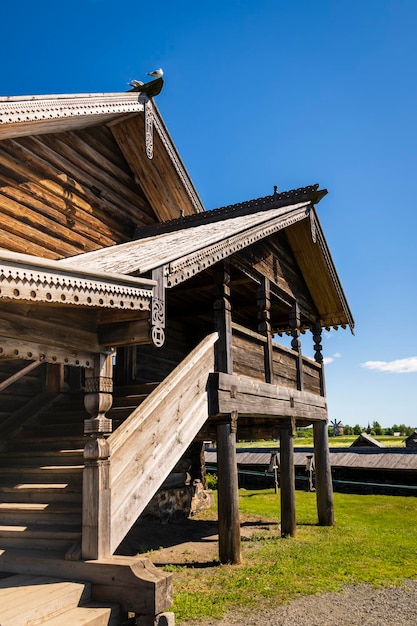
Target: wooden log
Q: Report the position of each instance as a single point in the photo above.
(96, 527)
(324, 488)
(228, 488)
(228, 500)
(287, 482)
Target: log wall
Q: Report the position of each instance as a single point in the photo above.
(67, 193)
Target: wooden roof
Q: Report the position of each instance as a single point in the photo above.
(136, 126)
(359, 458)
(185, 247)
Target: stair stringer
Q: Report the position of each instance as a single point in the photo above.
(146, 447)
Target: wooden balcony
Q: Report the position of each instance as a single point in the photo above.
(296, 391)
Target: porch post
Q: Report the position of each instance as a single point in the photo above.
(324, 487)
(264, 326)
(96, 522)
(228, 495)
(287, 480)
(295, 323)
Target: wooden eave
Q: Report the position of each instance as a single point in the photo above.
(185, 253)
(163, 178)
(185, 248)
(315, 261)
(36, 280)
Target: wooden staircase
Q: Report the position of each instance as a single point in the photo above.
(27, 600)
(41, 474)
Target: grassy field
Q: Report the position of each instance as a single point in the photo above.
(334, 442)
(373, 541)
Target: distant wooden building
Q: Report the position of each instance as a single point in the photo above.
(366, 441)
(134, 325)
(411, 441)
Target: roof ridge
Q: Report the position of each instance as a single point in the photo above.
(310, 193)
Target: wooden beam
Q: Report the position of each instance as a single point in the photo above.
(287, 481)
(125, 334)
(264, 326)
(324, 487)
(253, 398)
(228, 500)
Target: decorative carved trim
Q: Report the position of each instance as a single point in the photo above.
(34, 285)
(182, 270)
(158, 313)
(305, 195)
(98, 384)
(313, 227)
(178, 164)
(55, 107)
(149, 129)
(12, 349)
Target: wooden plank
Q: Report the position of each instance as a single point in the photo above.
(125, 334)
(228, 500)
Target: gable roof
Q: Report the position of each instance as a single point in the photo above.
(135, 123)
(186, 247)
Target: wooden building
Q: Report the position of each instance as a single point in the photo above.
(134, 325)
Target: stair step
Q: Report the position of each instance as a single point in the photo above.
(30, 459)
(27, 600)
(43, 474)
(21, 513)
(43, 492)
(90, 614)
(47, 443)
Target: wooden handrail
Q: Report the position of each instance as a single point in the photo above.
(18, 375)
(145, 448)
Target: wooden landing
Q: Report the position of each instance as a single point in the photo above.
(27, 600)
(133, 583)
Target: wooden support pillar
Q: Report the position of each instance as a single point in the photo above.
(324, 487)
(228, 494)
(96, 517)
(264, 326)
(318, 355)
(287, 480)
(295, 318)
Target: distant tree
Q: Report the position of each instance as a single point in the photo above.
(377, 428)
(357, 429)
(349, 430)
(389, 432)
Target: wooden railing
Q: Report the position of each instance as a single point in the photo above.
(248, 360)
(145, 448)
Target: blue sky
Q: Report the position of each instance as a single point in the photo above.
(270, 93)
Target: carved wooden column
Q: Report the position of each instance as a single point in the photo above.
(296, 343)
(318, 355)
(287, 479)
(264, 326)
(228, 494)
(96, 476)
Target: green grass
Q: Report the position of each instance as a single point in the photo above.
(372, 541)
(334, 442)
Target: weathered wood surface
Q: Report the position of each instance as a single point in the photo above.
(68, 193)
(287, 480)
(149, 443)
(255, 399)
(324, 487)
(248, 360)
(134, 583)
(163, 188)
(228, 494)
